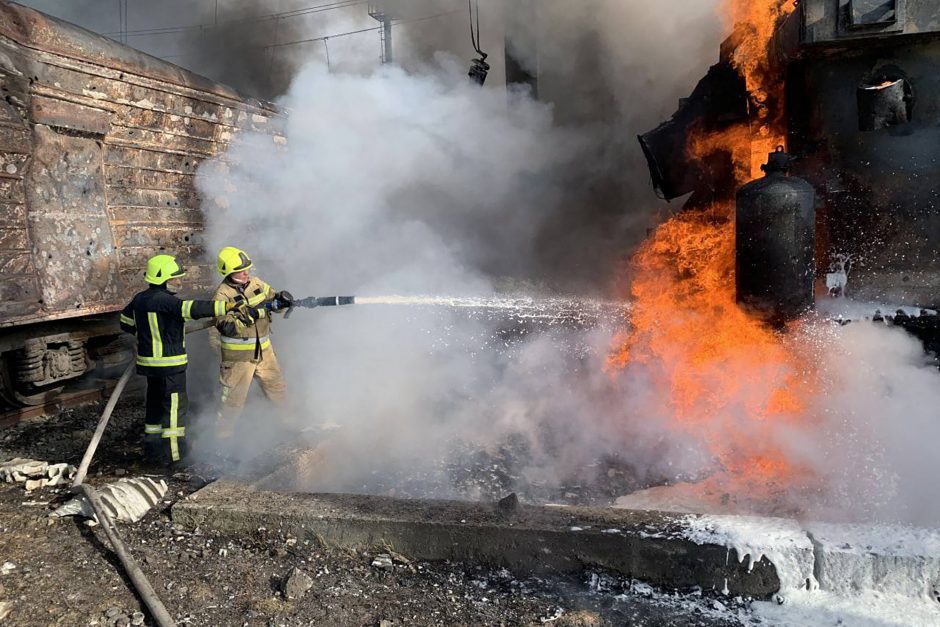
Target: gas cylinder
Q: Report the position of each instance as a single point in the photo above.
(775, 242)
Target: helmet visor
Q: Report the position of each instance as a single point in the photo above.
(243, 262)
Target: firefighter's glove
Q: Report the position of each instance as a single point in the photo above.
(239, 303)
(249, 315)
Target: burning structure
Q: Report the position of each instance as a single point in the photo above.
(848, 88)
(99, 144)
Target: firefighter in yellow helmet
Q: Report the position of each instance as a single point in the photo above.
(244, 337)
(156, 317)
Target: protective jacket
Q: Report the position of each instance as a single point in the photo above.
(157, 318)
(243, 339)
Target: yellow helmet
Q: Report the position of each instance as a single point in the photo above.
(162, 268)
(231, 260)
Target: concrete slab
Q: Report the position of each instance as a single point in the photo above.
(645, 545)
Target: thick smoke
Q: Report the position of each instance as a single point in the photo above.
(417, 182)
(593, 63)
(397, 183)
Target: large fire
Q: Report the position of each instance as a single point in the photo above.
(730, 380)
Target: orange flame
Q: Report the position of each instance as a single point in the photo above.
(729, 379)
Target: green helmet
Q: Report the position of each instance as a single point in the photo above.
(231, 260)
(162, 268)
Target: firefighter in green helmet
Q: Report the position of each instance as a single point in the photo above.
(156, 316)
(244, 340)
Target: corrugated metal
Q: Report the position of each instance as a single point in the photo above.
(98, 154)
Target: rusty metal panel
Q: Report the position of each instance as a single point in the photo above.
(19, 289)
(14, 140)
(12, 216)
(74, 250)
(63, 114)
(175, 123)
(11, 189)
(130, 197)
(19, 296)
(169, 237)
(155, 215)
(155, 139)
(152, 159)
(127, 95)
(15, 263)
(12, 163)
(148, 179)
(117, 185)
(14, 239)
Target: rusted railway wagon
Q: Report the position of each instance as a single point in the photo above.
(99, 145)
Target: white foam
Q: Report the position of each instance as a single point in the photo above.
(848, 309)
(821, 609)
(868, 575)
(782, 541)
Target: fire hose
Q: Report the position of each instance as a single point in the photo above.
(147, 594)
(286, 303)
(289, 303)
(136, 575)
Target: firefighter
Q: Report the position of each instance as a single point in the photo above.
(156, 316)
(244, 339)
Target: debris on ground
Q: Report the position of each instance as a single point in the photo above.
(508, 506)
(128, 500)
(583, 618)
(383, 562)
(296, 584)
(35, 474)
(62, 573)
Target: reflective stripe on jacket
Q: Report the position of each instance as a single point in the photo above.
(239, 341)
(157, 318)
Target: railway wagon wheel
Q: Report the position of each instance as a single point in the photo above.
(23, 394)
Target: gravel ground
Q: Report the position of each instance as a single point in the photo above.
(61, 571)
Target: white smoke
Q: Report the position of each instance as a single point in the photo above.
(392, 182)
(879, 424)
(398, 183)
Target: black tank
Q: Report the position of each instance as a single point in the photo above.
(775, 231)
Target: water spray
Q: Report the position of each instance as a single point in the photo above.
(522, 307)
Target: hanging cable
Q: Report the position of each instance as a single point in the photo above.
(326, 46)
(479, 68)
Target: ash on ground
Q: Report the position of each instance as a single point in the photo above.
(471, 473)
(62, 571)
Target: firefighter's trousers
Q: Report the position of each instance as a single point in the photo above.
(236, 378)
(165, 418)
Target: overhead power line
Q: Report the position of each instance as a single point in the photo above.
(363, 30)
(169, 30)
(323, 38)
